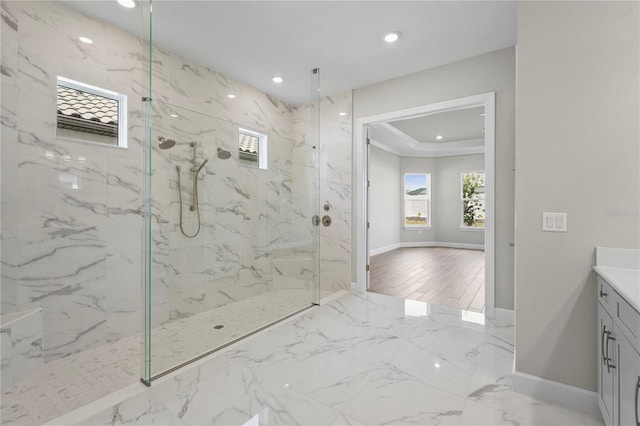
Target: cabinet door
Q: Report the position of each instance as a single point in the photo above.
(605, 373)
(628, 388)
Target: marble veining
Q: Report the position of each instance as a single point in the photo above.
(73, 212)
(305, 371)
(21, 346)
(75, 227)
(67, 383)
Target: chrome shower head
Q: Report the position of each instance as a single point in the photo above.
(165, 143)
(223, 154)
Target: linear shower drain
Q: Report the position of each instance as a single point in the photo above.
(218, 327)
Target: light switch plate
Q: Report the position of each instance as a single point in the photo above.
(554, 222)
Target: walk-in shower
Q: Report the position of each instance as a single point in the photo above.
(71, 253)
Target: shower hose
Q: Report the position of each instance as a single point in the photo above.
(196, 202)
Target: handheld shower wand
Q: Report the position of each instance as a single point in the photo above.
(195, 206)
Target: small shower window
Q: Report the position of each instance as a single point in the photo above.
(252, 148)
(90, 114)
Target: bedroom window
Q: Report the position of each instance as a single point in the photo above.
(472, 184)
(417, 193)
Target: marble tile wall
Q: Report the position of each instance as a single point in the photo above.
(8, 154)
(21, 345)
(334, 163)
(76, 205)
(75, 250)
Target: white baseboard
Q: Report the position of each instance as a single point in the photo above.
(390, 247)
(384, 249)
(460, 245)
(556, 392)
(505, 315)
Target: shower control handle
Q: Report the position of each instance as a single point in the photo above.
(326, 220)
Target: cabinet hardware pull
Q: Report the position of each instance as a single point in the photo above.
(609, 365)
(636, 401)
(602, 293)
(602, 343)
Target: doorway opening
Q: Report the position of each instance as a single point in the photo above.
(425, 203)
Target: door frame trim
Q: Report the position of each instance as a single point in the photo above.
(485, 99)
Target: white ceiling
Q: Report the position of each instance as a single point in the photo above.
(456, 125)
(462, 131)
(252, 41)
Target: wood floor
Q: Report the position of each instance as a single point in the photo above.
(443, 276)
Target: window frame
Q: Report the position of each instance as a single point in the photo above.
(427, 201)
(463, 226)
(122, 141)
(262, 147)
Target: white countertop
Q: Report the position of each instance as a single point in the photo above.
(624, 281)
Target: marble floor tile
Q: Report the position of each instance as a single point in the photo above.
(475, 414)
(392, 397)
(356, 360)
(65, 384)
(225, 393)
(501, 396)
(143, 409)
(449, 372)
(328, 377)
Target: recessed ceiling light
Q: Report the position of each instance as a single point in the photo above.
(86, 40)
(342, 114)
(391, 37)
(174, 115)
(277, 79)
(129, 4)
(439, 137)
(231, 96)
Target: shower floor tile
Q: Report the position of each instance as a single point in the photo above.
(360, 360)
(66, 384)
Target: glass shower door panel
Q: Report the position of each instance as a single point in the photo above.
(291, 253)
(232, 246)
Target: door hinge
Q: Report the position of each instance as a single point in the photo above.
(368, 225)
(368, 267)
(368, 141)
(368, 183)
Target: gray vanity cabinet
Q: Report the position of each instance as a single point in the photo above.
(629, 382)
(618, 358)
(605, 349)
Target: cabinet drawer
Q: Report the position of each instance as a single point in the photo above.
(606, 295)
(630, 319)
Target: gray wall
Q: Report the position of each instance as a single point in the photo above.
(446, 191)
(577, 99)
(385, 198)
(386, 215)
(493, 71)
